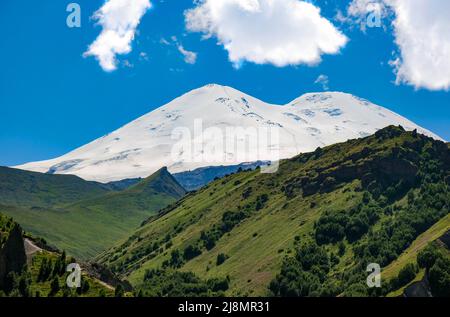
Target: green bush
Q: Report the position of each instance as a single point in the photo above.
(221, 258)
(406, 274)
(439, 277)
(428, 256)
(191, 252)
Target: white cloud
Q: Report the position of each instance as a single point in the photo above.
(368, 13)
(278, 32)
(119, 20)
(363, 7)
(127, 63)
(422, 35)
(143, 56)
(324, 81)
(189, 57)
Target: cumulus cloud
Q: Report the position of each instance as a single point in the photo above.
(422, 35)
(119, 20)
(324, 81)
(281, 32)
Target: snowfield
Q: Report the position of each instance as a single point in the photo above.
(193, 131)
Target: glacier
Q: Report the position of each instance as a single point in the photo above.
(146, 144)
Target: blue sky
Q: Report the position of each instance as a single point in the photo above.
(52, 99)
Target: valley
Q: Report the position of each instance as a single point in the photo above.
(81, 217)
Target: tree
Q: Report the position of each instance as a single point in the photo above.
(45, 270)
(261, 201)
(25, 282)
(60, 265)
(439, 277)
(191, 252)
(66, 292)
(54, 286)
(406, 274)
(119, 292)
(330, 227)
(221, 258)
(84, 287)
(356, 227)
(176, 258)
(428, 256)
(341, 250)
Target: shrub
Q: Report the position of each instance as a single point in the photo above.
(176, 260)
(261, 201)
(221, 258)
(439, 277)
(406, 274)
(54, 286)
(246, 193)
(191, 252)
(119, 291)
(428, 256)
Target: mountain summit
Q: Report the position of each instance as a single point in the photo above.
(150, 142)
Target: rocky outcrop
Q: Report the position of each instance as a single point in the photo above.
(105, 275)
(394, 167)
(445, 238)
(12, 254)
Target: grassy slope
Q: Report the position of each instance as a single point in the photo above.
(87, 227)
(410, 254)
(258, 244)
(407, 258)
(6, 224)
(43, 287)
(28, 189)
(397, 293)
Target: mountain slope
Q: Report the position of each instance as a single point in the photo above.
(88, 226)
(34, 274)
(359, 202)
(143, 146)
(12, 251)
(193, 180)
(23, 188)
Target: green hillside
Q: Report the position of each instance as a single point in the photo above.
(37, 272)
(83, 218)
(31, 189)
(308, 230)
(418, 265)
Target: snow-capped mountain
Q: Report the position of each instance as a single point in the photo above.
(203, 117)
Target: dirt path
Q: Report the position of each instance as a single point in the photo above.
(106, 285)
(30, 248)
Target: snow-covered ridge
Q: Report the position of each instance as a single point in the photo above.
(144, 145)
